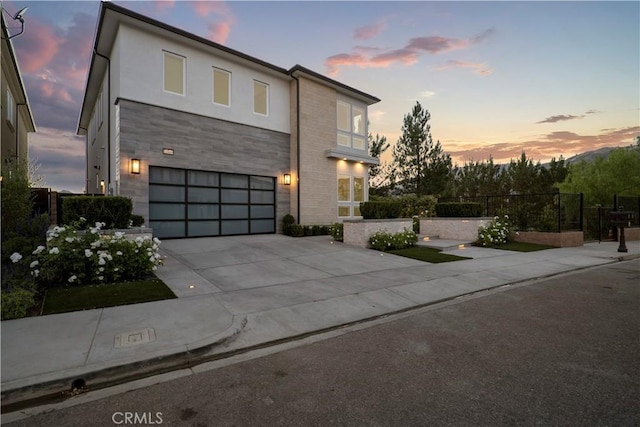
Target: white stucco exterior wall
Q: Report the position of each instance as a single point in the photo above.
(140, 57)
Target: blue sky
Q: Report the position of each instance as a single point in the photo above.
(549, 78)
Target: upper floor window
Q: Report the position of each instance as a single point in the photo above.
(351, 125)
(11, 109)
(100, 110)
(221, 87)
(260, 98)
(174, 73)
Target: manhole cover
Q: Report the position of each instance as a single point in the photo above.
(134, 338)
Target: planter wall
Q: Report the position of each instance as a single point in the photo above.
(566, 239)
(632, 233)
(357, 232)
(453, 228)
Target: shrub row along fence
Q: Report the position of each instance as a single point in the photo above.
(551, 212)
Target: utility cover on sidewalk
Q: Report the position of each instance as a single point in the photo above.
(136, 337)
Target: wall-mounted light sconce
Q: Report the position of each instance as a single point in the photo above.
(167, 151)
(102, 183)
(135, 166)
(287, 179)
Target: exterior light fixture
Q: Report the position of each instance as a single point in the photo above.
(167, 151)
(102, 183)
(287, 179)
(135, 166)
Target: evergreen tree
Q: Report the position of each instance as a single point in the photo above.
(419, 165)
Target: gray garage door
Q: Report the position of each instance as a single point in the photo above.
(191, 203)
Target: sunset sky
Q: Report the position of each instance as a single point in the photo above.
(550, 78)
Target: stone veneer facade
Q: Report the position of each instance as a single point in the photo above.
(318, 176)
(199, 143)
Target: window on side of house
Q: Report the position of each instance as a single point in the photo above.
(344, 196)
(351, 126)
(100, 110)
(221, 87)
(11, 109)
(174, 73)
(358, 194)
(260, 98)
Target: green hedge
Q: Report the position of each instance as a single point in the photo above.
(459, 209)
(381, 210)
(114, 211)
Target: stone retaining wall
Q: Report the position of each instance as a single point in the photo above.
(632, 233)
(453, 228)
(357, 232)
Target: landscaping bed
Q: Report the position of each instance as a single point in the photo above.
(524, 247)
(62, 300)
(430, 255)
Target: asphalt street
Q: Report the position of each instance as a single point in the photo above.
(563, 351)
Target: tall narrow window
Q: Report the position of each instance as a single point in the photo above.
(351, 122)
(174, 73)
(221, 87)
(100, 112)
(260, 97)
(343, 116)
(358, 194)
(11, 109)
(358, 120)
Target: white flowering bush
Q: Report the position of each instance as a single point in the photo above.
(73, 258)
(385, 241)
(496, 233)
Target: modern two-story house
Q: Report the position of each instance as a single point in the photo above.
(209, 141)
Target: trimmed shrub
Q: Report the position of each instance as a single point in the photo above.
(296, 230)
(113, 211)
(16, 302)
(422, 206)
(337, 232)
(381, 210)
(459, 209)
(385, 241)
(287, 222)
(137, 220)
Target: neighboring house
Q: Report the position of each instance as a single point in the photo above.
(17, 121)
(209, 141)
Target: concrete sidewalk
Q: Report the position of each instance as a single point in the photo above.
(236, 293)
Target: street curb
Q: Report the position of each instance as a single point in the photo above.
(77, 381)
(205, 351)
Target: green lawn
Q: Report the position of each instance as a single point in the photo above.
(427, 254)
(62, 300)
(524, 247)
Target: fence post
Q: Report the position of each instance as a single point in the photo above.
(486, 203)
(559, 218)
(615, 202)
(581, 211)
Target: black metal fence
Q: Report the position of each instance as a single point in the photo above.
(554, 212)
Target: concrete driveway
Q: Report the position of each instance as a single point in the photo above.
(227, 264)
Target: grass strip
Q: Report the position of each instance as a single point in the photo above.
(62, 300)
(524, 247)
(431, 255)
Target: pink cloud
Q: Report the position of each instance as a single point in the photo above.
(205, 8)
(369, 31)
(480, 68)
(219, 31)
(163, 6)
(551, 145)
(407, 55)
(38, 46)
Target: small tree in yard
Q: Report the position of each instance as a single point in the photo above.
(378, 174)
(420, 166)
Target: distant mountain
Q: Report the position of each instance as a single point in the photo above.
(589, 156)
